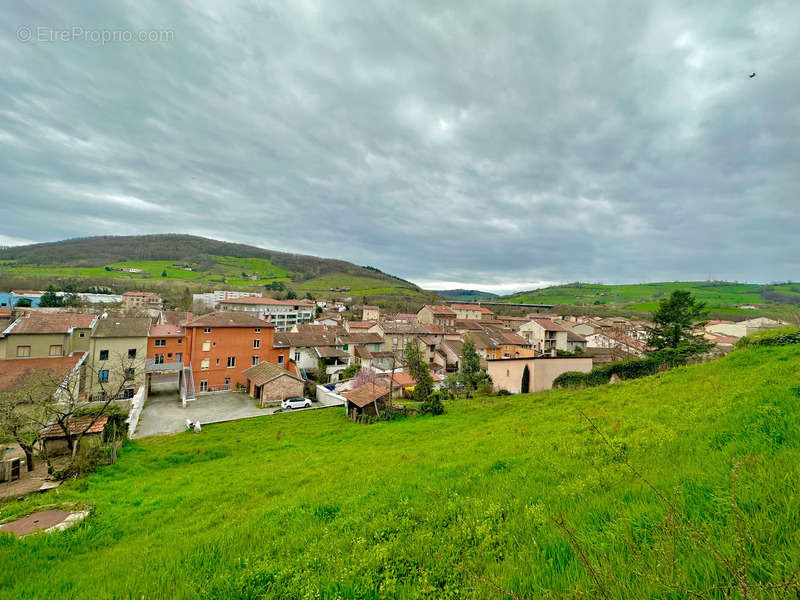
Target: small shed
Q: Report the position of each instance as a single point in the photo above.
(12, 461)
(268, 383)
(55, 441)
(367, 400)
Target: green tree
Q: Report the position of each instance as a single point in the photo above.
(291, 295)
(350, 371)
(470, 373)
(49, 298)
(423, 382)
(23, 303)
(317, 312)
(675, 318)
(526, 381)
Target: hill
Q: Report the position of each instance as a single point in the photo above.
(723, 298)
(192, 261)
(513, 493)
(460, 295)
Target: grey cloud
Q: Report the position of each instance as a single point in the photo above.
(479, 143)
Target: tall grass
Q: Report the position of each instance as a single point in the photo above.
(637, 490)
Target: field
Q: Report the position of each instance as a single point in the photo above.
(723, 298)
(510, 493)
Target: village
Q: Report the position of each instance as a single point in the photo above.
(241, 355)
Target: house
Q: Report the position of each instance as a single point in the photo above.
(221, 345)
(54, 441)
(513, 323)
(166, 343)
(494, 342)
(401, 382)
(313, 343)
(405, 317)
(508, 374)
(117, 355)
(371, 313)
(615, 339)
(544, 335)
(449, 354)
(361, 326)
(742, 328)
(367, 400)
(575, 342)
(467, 311)
(283, 314)
(138, 300)
(269, 384)
(39, 334)
(437, 315)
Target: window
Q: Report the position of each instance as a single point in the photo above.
(161, 342)
(207, 330)
(255, 361)
(204, 385)
(296, 356)
(179, 357)
(102, 376)
(56, 350)
(100, 396)
(280, 359)
(131, 352)
(231, 361)
(258, 329)
(206, 346)
(129, 374)
(103, 354)
(217, 362)
(180, 341)
(23, 351)
(204, 364)
(81, 334)
(256, 343)
(127, 394)
(159, 360)
(169, 354)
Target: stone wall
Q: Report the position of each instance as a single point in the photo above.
(279, 389)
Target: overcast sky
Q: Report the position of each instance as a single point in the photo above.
(492, 145)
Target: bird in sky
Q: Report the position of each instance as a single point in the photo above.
(752, 75)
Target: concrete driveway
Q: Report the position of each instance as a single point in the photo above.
(163, 413)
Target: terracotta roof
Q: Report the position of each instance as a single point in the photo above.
(116, 327)
(175, 317)
(272, 301)
(162, 330)
(438, 329)
(548, 325)
(438, 309)
(465, 306)
(5, 312)
(308, 339)
(390, 328)
(265, 372)
(57, 367)
(405, 316)
(140, 294)
(360, 324)
(361, 338)
(625, 339)
(366, 394)
(56, 322)
(234, 318)
(404, 379)
(330, 352)
(76, 426)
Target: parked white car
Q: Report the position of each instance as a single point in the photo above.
(296, 402)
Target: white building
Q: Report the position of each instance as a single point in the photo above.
(284, 314)
(211, 299)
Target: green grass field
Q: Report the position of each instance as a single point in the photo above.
(514, 493)
(722, 298)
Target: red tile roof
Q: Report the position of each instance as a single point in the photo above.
(58, 322)
(234, 318)
(360, 324)
(548, 325)
(76, 426)
(163, 330)
(441, 310)
(366, 394)
(404, 379)
(465, 306)
(57, 367)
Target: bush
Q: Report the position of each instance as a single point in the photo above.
(350, 371)
(770, 337)
(503, 392)
(659, 360)
(432, 406)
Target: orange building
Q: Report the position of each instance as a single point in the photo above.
(166, 343)
(221, 345)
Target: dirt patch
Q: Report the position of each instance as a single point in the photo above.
(35, 522)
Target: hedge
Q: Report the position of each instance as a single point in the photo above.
(770, 337)
(631, 369)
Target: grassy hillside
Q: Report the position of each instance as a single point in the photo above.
(516, 493)
(212, 263)
(460, 295)
(722, 297)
